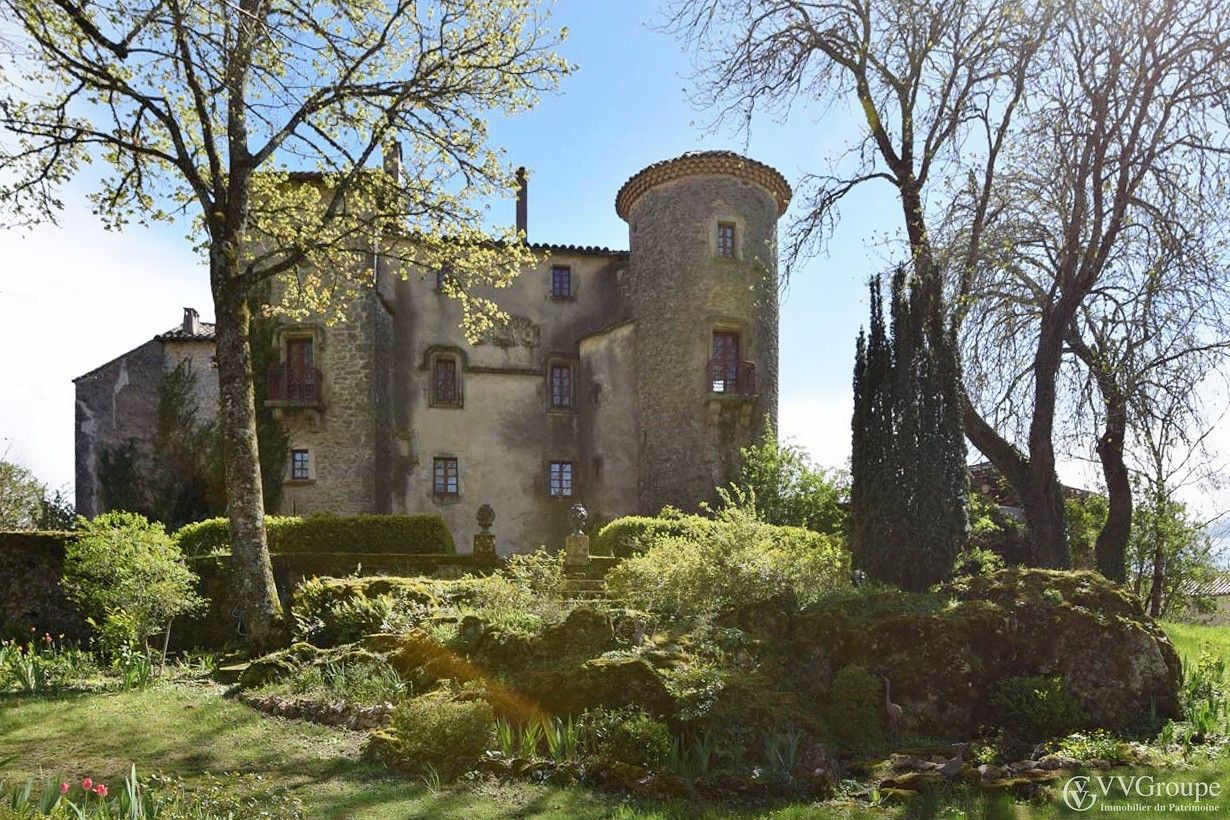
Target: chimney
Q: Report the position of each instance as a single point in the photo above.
(392, 159)
(192, 322)
(523, 205)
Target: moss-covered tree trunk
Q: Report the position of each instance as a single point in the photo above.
(252, 571)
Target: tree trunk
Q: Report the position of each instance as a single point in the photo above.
(252, 571)
(1036, 488)
(1111, 546)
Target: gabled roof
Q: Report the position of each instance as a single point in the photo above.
(205, 333)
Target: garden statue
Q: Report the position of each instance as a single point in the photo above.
(580, 519)
(484, 540)
(576, 545)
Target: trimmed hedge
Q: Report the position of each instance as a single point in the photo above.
(400, 534)
(629, 535)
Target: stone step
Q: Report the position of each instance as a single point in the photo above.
(230, 673)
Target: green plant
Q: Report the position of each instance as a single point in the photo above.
(781, 752)
(361, 681)
(439, 731)
(627, 735)
(692, 754)
(1096, 745)
(977, 561)
(1035, 708)
(120, 563)
(789, 489)
(632, 534)
(330, 611)
(41, 666)
(736, 561)
(852, 710)
(136, 670)
(157, 797)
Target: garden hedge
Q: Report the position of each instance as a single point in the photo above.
(400, 534)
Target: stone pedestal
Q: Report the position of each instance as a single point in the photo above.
(484, 545)
(576, 551)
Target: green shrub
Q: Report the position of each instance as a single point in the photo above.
(627, 735)
(330, 611)
(392, 534)
(437, 731)
(123, 567)
(632, 534)
(1096, 745)
(735, 561)
(360, 681)
(1035, 708)
(977, 561)
(853, 711)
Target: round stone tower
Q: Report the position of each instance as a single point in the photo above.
(702, 287)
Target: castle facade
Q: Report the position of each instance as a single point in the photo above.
(624, 380)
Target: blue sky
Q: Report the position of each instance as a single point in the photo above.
(75, 296)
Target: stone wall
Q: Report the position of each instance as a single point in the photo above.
(31, 596)
(114, 403)
(503, 434)
(680, 292)
(609, 423)
(340, 435)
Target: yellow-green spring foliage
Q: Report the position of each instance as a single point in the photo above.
(733, 560)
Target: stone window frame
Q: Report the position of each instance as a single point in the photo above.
(428, 365)
(446, 497)
(740, 225)
(310, 466)
(724, 324)
(571, 295)
(549, 372)
(571, 481)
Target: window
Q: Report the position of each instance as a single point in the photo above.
(726, 239)
(444, 381)
(561, 386)
(724, 365)
(561, 479)
(444, 476)
(300, 465)
(300, 373)
(561, 282)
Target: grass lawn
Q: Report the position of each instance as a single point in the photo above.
(189, 730)
(1189, 639)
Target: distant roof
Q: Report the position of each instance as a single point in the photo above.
(1217, 586)
(695, 163)
(204, 333)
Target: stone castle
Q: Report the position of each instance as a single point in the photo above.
(624, 380)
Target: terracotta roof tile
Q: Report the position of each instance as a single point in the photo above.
(704, 162)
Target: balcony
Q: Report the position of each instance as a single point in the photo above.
(293, 386)
(731, 378)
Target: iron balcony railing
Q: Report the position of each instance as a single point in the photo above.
(293, 384)
(731, 377)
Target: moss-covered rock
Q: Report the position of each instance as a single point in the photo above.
(277, 665)
(610, 682)
(584, 633)
(944, 653)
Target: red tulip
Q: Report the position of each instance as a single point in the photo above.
(64, 787)
(100, 790)
(87, 784)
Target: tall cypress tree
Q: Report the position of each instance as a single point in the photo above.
(908, 479)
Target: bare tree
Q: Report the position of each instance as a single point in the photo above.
(261, 118)
(1024, 142)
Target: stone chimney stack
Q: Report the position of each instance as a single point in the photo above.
(523, 204)
(192, 322)
(392, 159)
